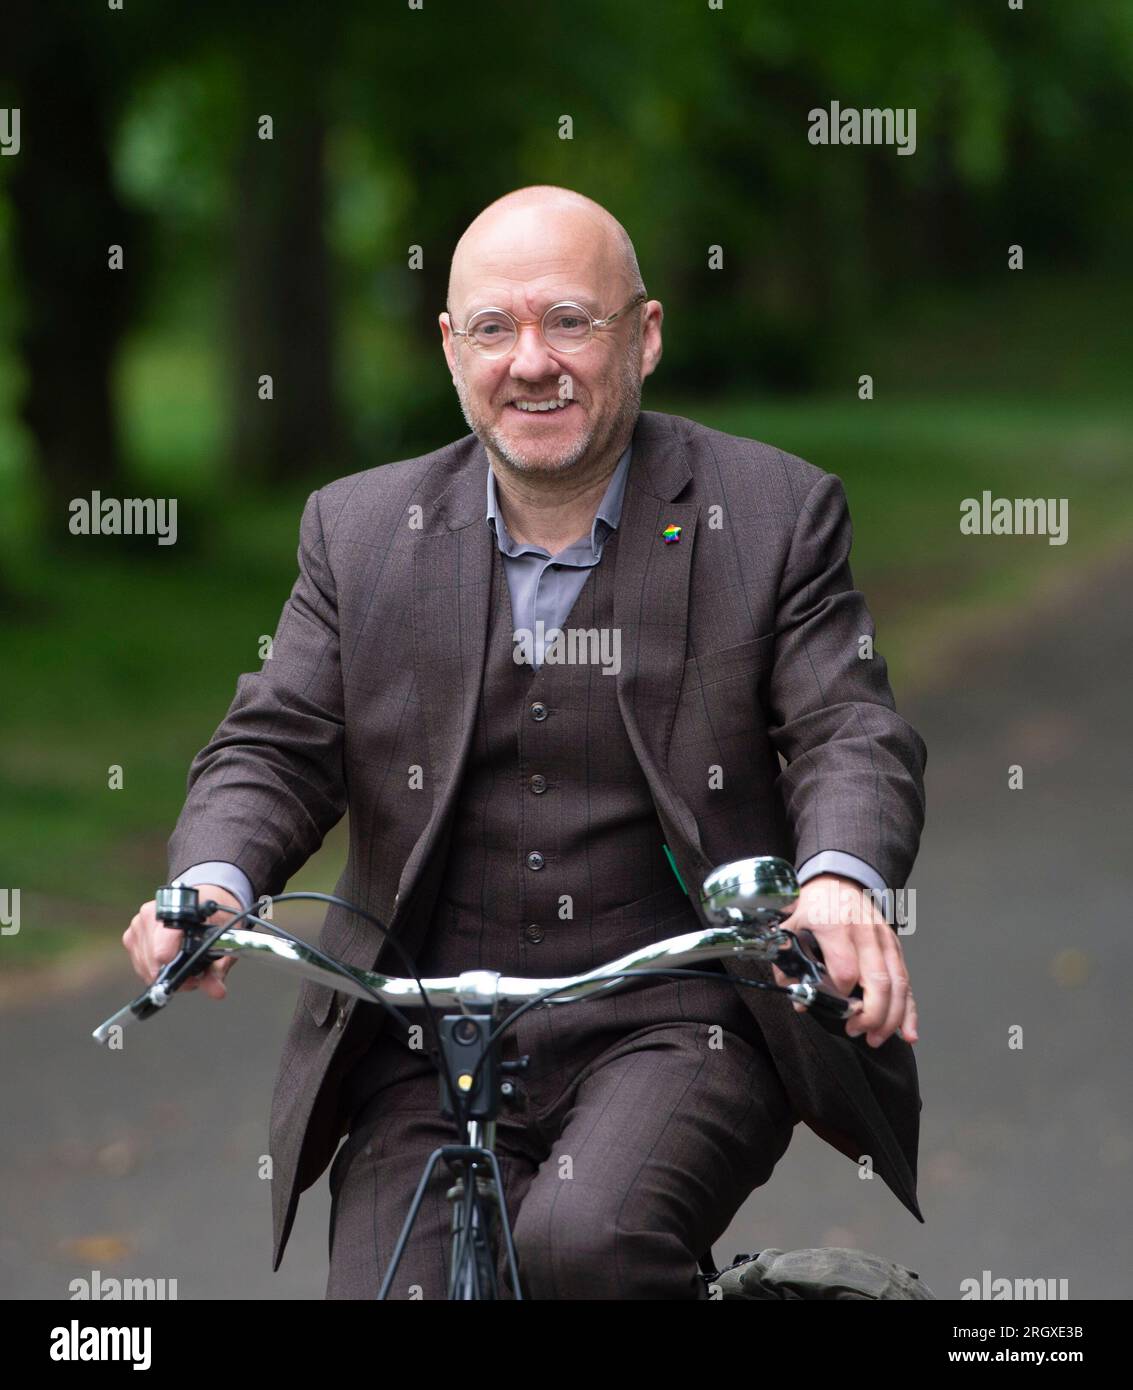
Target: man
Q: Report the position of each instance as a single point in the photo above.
(513, 807)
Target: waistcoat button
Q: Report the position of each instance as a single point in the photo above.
(538, 710)
(538, 783)
(535, 860)
(534, 933)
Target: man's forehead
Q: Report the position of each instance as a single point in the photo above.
(533, 256)
(504, 293)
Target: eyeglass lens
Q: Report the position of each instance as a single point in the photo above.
(566, 328)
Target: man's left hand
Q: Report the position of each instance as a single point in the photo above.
(858, 945)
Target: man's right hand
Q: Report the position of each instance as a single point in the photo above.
(152, 945)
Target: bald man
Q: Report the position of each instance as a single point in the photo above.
(540, 667)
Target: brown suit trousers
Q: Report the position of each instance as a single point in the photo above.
(625, 1153)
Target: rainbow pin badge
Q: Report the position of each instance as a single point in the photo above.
(671, 534)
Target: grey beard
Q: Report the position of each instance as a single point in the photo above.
(629, 406)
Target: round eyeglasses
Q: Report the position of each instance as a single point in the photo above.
(566, 327)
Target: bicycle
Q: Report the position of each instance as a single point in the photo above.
(747, 901)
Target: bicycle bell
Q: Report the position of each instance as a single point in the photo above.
(757, 892)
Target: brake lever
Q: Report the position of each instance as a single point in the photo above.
(150, 1001)
(180, 910)
(802, 960)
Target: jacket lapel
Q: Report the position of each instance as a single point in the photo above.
(452, 571)
(651, 605)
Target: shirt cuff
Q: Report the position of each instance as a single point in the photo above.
(836, 861)
(224, 875)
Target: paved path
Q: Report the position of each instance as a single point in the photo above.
(144, 1162)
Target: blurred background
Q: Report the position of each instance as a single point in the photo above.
(295, 256)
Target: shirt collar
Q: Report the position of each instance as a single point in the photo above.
(608, 515)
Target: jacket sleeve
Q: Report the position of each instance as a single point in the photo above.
(854, 776)
(270, 783)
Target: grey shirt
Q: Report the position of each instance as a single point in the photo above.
(543, 588)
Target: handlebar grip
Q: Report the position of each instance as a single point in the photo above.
(828, 1011)
(143, 1006)
(137, 1009)
(830, 1005)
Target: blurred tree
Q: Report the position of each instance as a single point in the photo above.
(690, 124)
(282, 307)
(66, 216)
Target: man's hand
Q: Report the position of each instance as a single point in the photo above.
(858, 945)
(152, 944)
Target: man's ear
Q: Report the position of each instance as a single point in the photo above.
(448, 342)
(651, 347)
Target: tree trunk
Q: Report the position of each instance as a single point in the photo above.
(65, 216)
(283, 319)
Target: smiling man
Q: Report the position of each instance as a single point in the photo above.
(550, 381)
(518, 815)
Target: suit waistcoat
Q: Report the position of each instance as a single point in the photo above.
(555, 862)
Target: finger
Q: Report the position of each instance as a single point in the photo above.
(840, 958)
(130, 941)
(909, 1024)
(874, 976)
(898, 987)
(148, 962)
(212, 981)
(164, 945)
(212, 985)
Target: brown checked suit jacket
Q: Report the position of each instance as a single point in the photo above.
(739, 648)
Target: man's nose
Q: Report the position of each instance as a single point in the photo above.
(530, 359)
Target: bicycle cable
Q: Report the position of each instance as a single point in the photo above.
(539, 999)
(439, 1062)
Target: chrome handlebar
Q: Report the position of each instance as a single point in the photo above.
(747, 900)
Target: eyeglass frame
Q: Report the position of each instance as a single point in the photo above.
(641, 297)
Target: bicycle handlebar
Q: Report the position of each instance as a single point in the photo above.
(482, 989)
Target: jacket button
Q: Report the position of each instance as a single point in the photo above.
(538, 710)
(535, 860)
(538, 783)
(534, 933)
